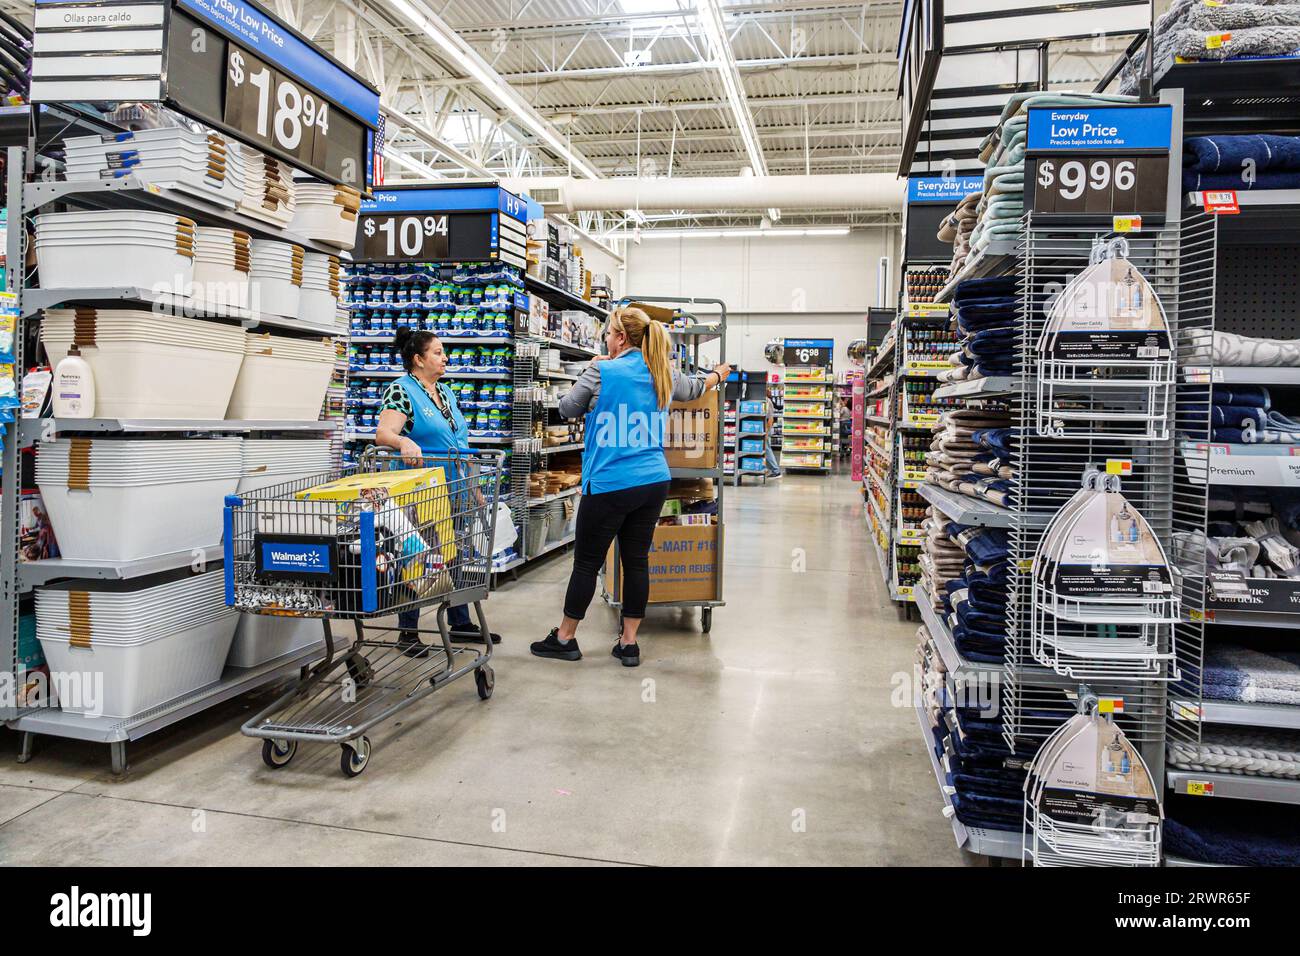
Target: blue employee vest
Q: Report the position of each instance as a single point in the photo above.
(624, 445)
(429, 427)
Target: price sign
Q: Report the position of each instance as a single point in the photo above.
(441, 224)
(1107, 162)
(1106, 185)
(242, 71)
(811, 353)
(422, 238)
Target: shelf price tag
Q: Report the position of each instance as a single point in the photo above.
(1110, 705)
(1200, 788)
(1126, 224)
(1221, 202)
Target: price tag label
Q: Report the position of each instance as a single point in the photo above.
(1110, 705)
(1221, 203)
(1200, 788)
(1114, 186)
(421, 238)
(1127, 224)
(1119, 466)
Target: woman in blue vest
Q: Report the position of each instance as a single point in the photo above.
(625, 476)
(419, 416)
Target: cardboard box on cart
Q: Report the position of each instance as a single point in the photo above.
(684, 564)
(693, 436)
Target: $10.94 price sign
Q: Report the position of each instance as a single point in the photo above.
(386, 238)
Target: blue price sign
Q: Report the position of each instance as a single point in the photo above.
(1119, 128)
(442, 224)
(948, 189)
(1099, 162)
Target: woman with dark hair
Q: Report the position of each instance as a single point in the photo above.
(419, 416)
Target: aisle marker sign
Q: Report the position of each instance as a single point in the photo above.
(950, 189)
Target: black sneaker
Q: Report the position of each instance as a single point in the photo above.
(470, 634)
(408, 642)
(551, 647)
(629, 654)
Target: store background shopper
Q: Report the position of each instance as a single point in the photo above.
(419, 417)
(625, 476)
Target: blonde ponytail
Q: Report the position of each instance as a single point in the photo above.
(652, 339)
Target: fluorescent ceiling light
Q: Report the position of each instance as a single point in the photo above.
(411, 163)
(789, 233)
(464, 57)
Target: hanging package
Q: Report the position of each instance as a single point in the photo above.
(1105, 597)
(1106, 362)
(1090, 799)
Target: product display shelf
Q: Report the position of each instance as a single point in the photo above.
(561, 298)
(445, 339)
(130, 193)
(1230, 375)
(964, 509)
(1200, 783)
(547, 499)
(168, 303)
(33, 574)
(990, 387)
(997, 844)
(761, 453)
(32, 430)
(18, 580)
(996, 259)
(805, 376)
(117, 732)
(1238, 714)
(701, 333)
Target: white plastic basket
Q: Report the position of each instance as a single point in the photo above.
(260, 638)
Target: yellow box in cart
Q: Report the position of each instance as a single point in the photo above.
(426, 497)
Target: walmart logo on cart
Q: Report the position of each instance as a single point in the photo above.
(295, 557)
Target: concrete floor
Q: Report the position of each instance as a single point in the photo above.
(772, 740)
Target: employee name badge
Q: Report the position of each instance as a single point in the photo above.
(1108, 313)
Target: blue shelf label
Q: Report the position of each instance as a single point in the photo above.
(942, 188)
(1100, 128)
(809, 343)
(449, 198)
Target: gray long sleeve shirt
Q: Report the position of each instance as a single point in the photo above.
(581, 398)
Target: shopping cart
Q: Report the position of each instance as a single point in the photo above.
(363, 542)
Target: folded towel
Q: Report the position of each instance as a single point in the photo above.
(1232, 154)
(1256, 396)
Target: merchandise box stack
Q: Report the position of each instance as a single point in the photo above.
(684, 555)
(694, 432)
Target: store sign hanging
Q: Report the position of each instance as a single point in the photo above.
(946, 189)
(228, 64)
(443, 224)
(813, 353)
(1099, 161)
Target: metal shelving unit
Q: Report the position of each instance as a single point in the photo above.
(17, 579)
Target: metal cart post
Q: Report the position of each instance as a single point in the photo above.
(691, 338)
(364, 557)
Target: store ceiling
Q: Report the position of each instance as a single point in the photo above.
(631, 87)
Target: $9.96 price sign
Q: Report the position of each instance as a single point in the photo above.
(421, 237)
(1106, 185)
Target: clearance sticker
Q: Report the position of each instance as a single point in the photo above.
(1215, 40)
(1119, 466)
(1200, 788)
(1127, 224)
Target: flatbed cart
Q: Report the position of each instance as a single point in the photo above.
(412, 538)
(687, 340)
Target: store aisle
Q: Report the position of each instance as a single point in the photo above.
(772, 740)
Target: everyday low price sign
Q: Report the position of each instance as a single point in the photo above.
(1099, 161)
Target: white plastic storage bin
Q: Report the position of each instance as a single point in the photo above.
(326, 213)
(153, 639)
(125, 499)
(150, 365)
(260, 638)
(282, 378)
(80, 250)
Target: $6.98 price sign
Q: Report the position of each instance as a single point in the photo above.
(423, 237)
(268, 106)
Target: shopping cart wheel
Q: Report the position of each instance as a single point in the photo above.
(278, 753)
(706, 619)
(486, 679)
(355, 757)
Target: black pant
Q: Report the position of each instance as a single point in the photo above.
(629, 515)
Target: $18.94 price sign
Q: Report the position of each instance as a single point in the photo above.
(271, 109)
(1105, 185)
(424, 237)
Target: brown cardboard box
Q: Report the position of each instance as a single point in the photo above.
(684, 563)
(657, 312)
(694, 432)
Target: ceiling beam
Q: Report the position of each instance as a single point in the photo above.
(821, 61)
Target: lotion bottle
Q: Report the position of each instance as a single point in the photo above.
(74, 387)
